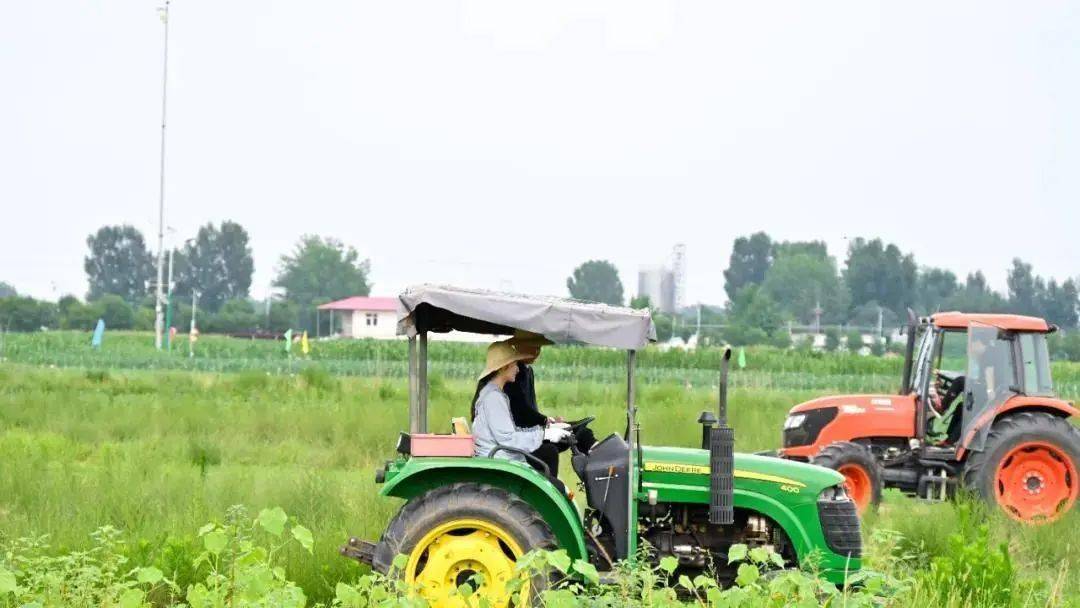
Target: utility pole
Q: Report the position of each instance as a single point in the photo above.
(159, 321)
(168, 305)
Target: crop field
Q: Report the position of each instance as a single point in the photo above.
(156, 447)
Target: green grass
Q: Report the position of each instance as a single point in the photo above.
(159, 453)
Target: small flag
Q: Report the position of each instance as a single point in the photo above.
(99, 333)
(742, 358)
(304, 346)
(288, 340)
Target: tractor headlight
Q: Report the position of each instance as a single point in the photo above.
(794, 421)
(835, 493)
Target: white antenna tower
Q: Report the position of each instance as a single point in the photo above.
(678, 274)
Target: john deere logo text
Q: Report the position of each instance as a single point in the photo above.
(674, 467)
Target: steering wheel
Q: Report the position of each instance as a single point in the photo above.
(577, 425)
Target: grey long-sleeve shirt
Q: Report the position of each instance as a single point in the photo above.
(493, 426)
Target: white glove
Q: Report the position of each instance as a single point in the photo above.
(559, 425)
(556, 434)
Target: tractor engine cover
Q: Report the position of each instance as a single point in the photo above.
(607, 489)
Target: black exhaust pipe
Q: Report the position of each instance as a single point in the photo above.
(722, 458)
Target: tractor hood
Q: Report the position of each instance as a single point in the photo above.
(764, 473)
(846, 400)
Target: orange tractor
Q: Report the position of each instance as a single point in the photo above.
(976, 409)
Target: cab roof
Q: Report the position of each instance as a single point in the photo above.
(442, 308)
(961, 320)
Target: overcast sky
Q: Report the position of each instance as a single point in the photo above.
(494, 143)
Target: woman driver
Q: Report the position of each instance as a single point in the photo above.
(492, 423)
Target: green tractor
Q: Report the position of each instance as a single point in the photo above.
(466, 515)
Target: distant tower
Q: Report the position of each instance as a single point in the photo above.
(678, 271)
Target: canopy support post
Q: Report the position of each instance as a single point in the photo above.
(422, 379)
(414, 397)
(631, 441)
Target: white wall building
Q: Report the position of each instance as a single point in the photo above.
(362, 317)
(375, 317)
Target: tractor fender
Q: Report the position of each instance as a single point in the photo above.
(418, 475)
(1019, 403)
(784, 517)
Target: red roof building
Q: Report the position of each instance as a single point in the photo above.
(362, 317)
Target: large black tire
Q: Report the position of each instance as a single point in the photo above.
(860, 469)
(980, 473)
(462, 501)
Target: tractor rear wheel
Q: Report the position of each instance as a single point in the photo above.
(862, 475)
(453, 533)
(1028, 466)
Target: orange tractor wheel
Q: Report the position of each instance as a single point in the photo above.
(862, 475)
(1028, 467)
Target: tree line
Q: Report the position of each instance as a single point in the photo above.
(214, 267)
(771, 283)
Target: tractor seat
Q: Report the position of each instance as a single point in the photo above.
(460, 426)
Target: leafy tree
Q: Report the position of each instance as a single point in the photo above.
(118, 264)
(934, 287)
(117, 313)
(750, 259)
(7, 291)
(976, 296)
(283, 315)
(1058, 304)
(596, 281)
(218, 263)
(877, 347)
(234, 316)
(866, 315)
(880, 273)
(1024, 288)
(74, 314)
(854, 340)
(753, 309)
(801, 281)
(19, 313)
(321, 269)
(641, 301)
(832, 339)
(815, 249)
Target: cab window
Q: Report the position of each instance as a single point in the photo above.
(953, 354)
(1035, 363)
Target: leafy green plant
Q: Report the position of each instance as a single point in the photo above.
(973, 570)
(98, 577)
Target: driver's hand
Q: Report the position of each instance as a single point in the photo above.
(558, 425)
(556, 419)
(935, 399)
(556, 435)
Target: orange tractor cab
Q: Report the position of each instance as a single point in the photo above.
(976, 409)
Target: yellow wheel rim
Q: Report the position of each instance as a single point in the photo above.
(453, 552)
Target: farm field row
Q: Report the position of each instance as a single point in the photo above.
(159, 453)
(766, 368)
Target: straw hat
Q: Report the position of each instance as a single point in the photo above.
(499, 355)
(527, 342)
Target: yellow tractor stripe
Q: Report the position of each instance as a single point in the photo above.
(693, 469)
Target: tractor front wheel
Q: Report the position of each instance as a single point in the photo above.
(862, 475)
(463, 534)
(1028, 467)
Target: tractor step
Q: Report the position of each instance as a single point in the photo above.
(362, 551)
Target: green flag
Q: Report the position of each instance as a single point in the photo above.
(288, 340)
(742, 358)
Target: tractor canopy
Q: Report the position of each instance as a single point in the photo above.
(436, 308)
